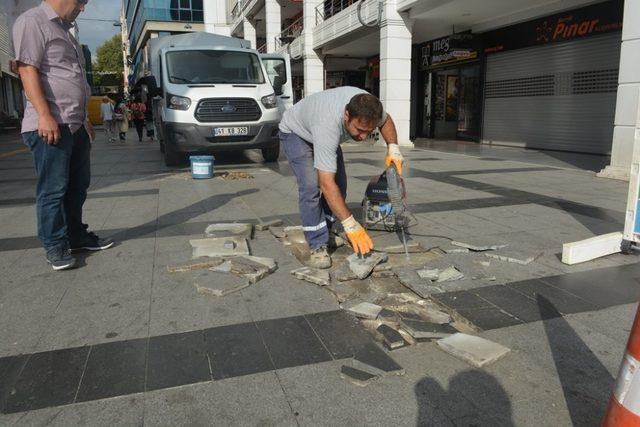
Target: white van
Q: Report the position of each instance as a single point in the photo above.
(212, 93)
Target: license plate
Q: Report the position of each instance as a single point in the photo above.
(237, 131)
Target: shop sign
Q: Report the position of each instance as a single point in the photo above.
(449, 50)
(588, 21)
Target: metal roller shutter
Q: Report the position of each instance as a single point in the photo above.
(559, 97)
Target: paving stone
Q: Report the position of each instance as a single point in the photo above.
(313, 275)
(267, 225)
(412, 248)
(389, 316)
(220, 289)
(294, 235)
(219, 247)
(515, 256)
(473, 350)
(365, 310)
(410, 279)
(269, 263)
(190, 266)
(252, 268)
(356, 376)
(342, 291)
(244, 230)
(277, 232)
(477, 246)
(225, 267)
(371, 358)
(450, 249)
(343, 273)
(425, 331)
(428, 273)
(391, 338)
(362, 266)
(450, 274)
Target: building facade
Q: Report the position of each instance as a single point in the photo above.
(560, 75)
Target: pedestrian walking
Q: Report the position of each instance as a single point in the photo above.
(106, 113)
(55, 126)
(310, 134)
(148, 120)
(138, 110)
(121, 117)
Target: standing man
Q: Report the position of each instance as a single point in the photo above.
(311, 132)
(106, 113)
(55, 126)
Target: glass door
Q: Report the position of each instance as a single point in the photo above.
(469, 103)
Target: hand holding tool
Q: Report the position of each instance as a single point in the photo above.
(394, 156)
(360, 240)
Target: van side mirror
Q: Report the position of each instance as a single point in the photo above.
(277, 85)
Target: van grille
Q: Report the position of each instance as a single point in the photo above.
(228, 110)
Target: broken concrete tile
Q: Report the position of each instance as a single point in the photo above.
(229, 244)
(253, 271)
(295, 234)
(225, 267)
(356, 376)
(217, 247)
(277, 232)
(366, 310)
(313, 275)
(383, 267)
(336, 241)
(409, 278)
(429, 273)
(229, 229)
(267, 225)
(483, 276)
(388, 316)
(421, 330)
(515, 256)
(450, 273)
(478, 247)
(383, 274)
(300, 251)
(450, 249)
(483, 263)
(220, 290)
(370, 358)
(412, 248)
(343, 273)
(363, 266)
(473, 350)
(391, 338)
(269, 263)
(195, 265)
(341, 290)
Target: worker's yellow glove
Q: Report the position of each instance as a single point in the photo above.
(394, 155)
(360, 240)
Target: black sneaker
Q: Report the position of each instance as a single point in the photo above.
(60, 258)
(91, 242)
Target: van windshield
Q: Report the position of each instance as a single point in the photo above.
(213, 66)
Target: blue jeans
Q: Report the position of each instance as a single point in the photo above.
(63, 177)
(317, 217)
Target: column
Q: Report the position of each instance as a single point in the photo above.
(395, 69)
(313, 66)
(273, 23)
(627, 100)
(215, 17)
(249, 31)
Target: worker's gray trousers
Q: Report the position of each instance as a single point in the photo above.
(317, 218)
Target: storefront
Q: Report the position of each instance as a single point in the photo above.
(551, 83)
(449, 88)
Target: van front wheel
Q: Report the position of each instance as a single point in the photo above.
(171, 158)
(271, 154)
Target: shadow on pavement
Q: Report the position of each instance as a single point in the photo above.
(586, 383)
(437, 406)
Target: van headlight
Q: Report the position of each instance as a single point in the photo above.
(176, 102)
(269, 101)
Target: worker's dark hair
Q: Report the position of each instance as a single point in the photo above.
(366, 107)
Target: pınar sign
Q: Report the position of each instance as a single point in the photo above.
(587, 21)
